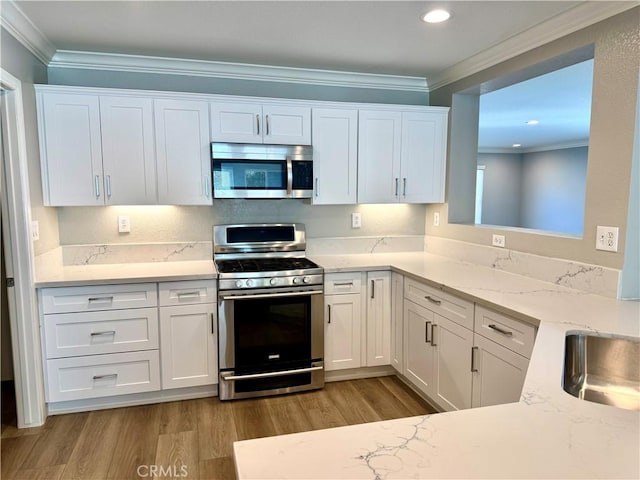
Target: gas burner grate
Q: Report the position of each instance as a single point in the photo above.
(263, 265)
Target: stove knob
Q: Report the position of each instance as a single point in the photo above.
(249, 283)
(273, 281)
(239, 283)
(306, 279)
(296, 280)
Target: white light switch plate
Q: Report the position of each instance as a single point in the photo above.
(436, 219)
(35, 230)
(124, 224)
(607, 238)
(356, 220)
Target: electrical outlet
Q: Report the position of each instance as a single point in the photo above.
(607, 238)
(498, 240)
(356, 220)
(35, 230)
(436, 219)
(124, 224)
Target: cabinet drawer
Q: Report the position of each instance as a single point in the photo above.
(506, 331)
(98, 297)
(337, 283)
(103, 375)
(449, 306)
(110, 331)
(187, 292)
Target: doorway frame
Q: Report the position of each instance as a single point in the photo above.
(19, 257)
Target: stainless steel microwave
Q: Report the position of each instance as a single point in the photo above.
(262, 171)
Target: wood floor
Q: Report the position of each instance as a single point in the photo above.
(189, 439)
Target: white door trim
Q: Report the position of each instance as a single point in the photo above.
(25, 326)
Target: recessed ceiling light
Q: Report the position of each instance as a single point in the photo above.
(516, 145)
(532, 122)
(436, 16)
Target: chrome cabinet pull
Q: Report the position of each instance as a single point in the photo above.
(396, 192)
(212, 327)
(373, 289)
(404, 187)
(106, 332)
(317, 190)
(101, 299)
(329, 313)
(433, 300)
(433, 343)
(108, 187)
(107, 375)
(506, 333)
(473, 362)
(96, 184)
(426, 332)
(289, 176)
(258, 124)
(251, 296)
(267, 121)
(207, 191)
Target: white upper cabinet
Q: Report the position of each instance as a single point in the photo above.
(182, 152)
(422, 162)
(335, 156)
(70, 149)
(378, 156)
(128, 157)
(249, 122)
(402, 156)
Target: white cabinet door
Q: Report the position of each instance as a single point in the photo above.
(379, 147)
(397, 324)
(343, 325)
(498, 374)
(423, 157)
(128, 155)
(335, 156)
(378, 318)
(188, 352)
(236, 122)
(418, 352)
(71, 149)
(286, 125)
(182, 152)
(452, 366)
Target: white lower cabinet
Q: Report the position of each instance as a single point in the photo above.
(455, 365)
(342, 321)
(378, 323)
(397, 325)
(188, 326)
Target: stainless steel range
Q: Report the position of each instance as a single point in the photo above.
(270, 311)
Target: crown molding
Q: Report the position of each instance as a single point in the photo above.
(561, 25)
(236, 71)
(14, 21)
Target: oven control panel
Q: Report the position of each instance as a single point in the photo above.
(270, 282)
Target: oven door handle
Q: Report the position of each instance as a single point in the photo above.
(229, 376)
(271, 295)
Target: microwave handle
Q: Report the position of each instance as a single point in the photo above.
(289, 177)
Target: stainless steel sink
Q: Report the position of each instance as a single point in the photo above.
(603, 370)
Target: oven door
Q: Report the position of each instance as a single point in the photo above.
(270, 342)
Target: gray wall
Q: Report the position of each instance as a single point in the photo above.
(502, 189)
(20, 63)
(615, 85)
(553, 190)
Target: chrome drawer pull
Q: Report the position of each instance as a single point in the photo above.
(343, 284)
(433, 300)
(107, 332)
(500, 330)
(101, 299)
(108, 375)
(188, 294)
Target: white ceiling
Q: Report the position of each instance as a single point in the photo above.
(364, 36)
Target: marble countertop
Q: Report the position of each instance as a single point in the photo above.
(547, 434)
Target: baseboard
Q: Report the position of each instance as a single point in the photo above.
(421, 394)
(118, 401)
